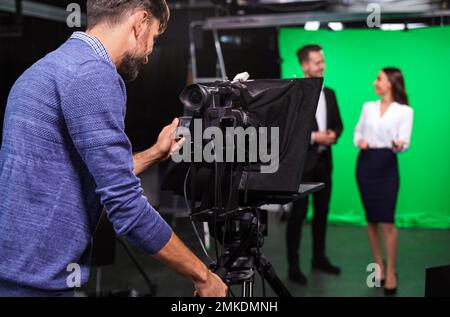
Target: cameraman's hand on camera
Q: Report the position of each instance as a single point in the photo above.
(324, 137)
(167, 144)
(213, 286)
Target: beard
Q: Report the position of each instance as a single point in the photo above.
(130, 66)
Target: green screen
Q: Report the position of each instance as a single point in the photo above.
(353, 59)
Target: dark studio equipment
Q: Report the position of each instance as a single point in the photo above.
(437, 281)
(11, 25)
(104, 254)
(228, 194)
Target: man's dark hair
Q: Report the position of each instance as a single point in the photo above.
(303, 53)
(113, 11)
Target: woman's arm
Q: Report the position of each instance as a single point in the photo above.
(358, 136)
(403, 140)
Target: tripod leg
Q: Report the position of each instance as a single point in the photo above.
(266, 269)
(98, 284)
(247, 289)
(151, 286)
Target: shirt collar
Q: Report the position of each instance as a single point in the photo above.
(95, 44)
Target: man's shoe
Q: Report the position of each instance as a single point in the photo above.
(324, 265)
(297, 276)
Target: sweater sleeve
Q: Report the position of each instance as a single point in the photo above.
(93, 108)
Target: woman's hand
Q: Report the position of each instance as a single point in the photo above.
(398, 145)
(362, 144)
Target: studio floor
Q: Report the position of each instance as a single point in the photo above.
(347, 247)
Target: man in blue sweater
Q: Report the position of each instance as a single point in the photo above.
(65, 154)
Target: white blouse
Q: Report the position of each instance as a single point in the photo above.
(379, 132)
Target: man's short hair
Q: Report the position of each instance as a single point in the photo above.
(303, 53)
(113, 11)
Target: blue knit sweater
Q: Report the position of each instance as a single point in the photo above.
(64, 154)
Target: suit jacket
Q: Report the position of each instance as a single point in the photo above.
(334, 123)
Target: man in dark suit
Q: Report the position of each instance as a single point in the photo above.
(318, 167)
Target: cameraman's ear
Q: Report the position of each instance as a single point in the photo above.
(140, 24)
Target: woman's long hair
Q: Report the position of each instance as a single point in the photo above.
(395, 77)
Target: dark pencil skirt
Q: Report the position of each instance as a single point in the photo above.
(378, 182)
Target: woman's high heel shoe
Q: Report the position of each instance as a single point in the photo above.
(383, 280)
(391, 291)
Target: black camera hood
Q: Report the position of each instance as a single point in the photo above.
(290, 105)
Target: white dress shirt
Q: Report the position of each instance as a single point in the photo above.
(321, 114)
(380, 131)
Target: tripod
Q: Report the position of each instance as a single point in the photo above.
(237, 265)
(245, 275)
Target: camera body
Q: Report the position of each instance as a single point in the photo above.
(280, 110)
(218, 104)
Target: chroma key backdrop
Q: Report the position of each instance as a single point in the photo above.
(353, 59)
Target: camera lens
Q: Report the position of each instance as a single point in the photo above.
(195, 96)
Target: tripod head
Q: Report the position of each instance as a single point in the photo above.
(241, 237)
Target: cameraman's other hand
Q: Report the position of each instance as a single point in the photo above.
(167, 144)
(213, 286)
(324, 137)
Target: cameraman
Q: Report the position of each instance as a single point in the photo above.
(65, 153)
